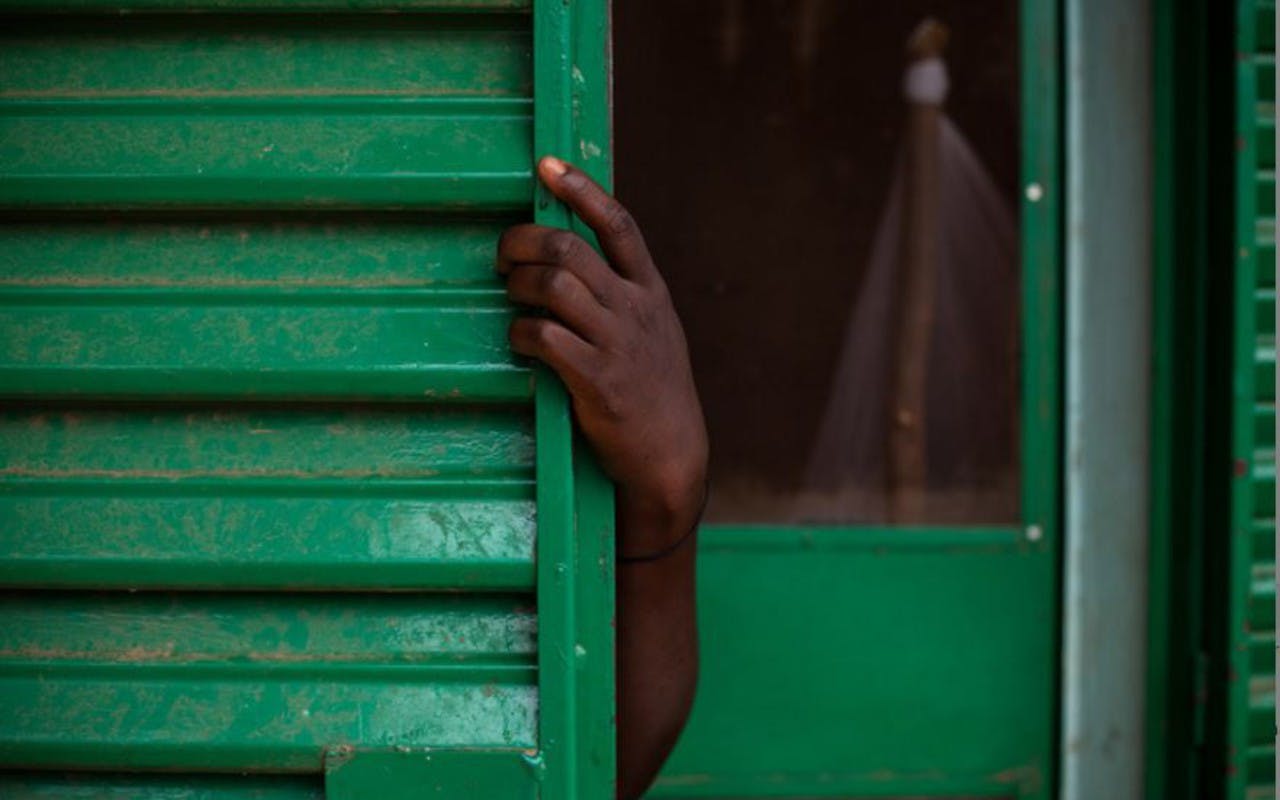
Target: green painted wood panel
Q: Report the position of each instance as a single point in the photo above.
(1250, 719)
(281, 514)
(868, 663)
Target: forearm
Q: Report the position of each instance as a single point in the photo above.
(657, 644)
(611, 333)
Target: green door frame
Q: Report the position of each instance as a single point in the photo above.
(1041, 334)
(577, 740)
(938, 561)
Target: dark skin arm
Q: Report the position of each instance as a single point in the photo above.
(611, 333)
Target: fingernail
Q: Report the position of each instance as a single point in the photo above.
(555, 166)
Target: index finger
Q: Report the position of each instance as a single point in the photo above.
(619, 236)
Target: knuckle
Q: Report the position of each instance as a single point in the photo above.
(544, 334)
(604, 298)
(618, 220)
(506, 240)
(555, 282)
(562, 246)
(657, 306)
(612, 399)
(529, 333)
(659, 294)
(647, 310)
(513, 238)
(516, 281)
(516, 334)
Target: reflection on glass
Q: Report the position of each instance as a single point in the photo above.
(846, 261)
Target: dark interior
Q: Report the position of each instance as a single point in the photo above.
(755, 142)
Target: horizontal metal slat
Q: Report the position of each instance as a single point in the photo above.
(1261, 766)
(144, 718)
(1262, 652)
(117, 786)
(505, 773)
(1266, 193)
(330, 56)
(1262, 709)
(1264, 425)
(290, 254)
(1264, 461)
(1265, 63)
(127, 541)
(1265, 308)
(231, 308)
(1264, 492)
(1262, 790)
(383, 153)
(1266, 143)
(298, 346)
(191, 497)
(1266, 254)
(1263, 474)
(1265, 369)
(1264, 538)
(255, 6)
(260, 631)
(1265, 25)
(159, 442)
(1262, 597)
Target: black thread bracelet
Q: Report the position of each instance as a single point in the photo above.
(660, 554)
(677, 544)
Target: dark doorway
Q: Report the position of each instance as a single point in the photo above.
(756, 143)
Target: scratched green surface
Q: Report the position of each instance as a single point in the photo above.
(381, 306)
(281, 515)
(280, 56)
(217, 497)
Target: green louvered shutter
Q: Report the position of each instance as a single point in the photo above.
(1251, 694)
(282, 517)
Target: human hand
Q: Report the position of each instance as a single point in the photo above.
(614, 338)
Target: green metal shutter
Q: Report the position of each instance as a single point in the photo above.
(281, 515)
(1251, 695)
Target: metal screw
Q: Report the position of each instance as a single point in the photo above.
(1034, 192)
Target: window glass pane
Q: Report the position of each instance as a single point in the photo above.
(846, 264)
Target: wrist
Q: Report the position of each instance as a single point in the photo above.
(657, 517)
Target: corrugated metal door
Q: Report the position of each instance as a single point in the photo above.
(1251, 696)
(269, 512)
